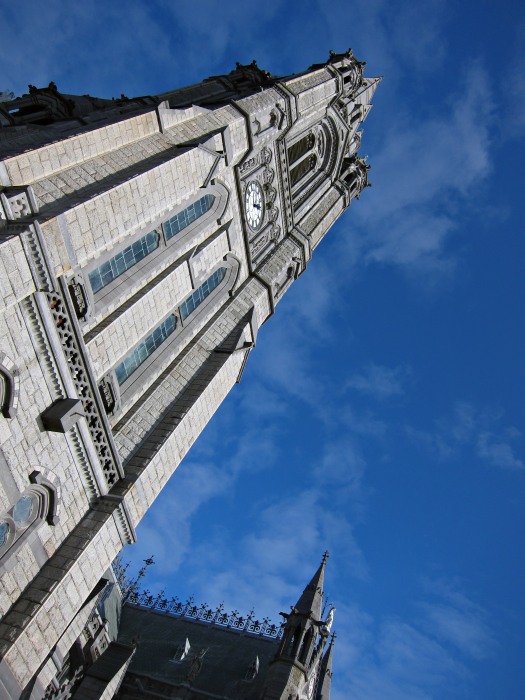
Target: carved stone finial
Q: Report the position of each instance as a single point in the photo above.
(325, 556)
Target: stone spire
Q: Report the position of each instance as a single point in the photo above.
(325, 673)
(311, 601)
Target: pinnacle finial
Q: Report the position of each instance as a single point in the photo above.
(325, 557)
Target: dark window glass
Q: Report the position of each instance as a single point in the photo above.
(300, 148)
(304, 167)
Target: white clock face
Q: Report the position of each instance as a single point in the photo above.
(254, 205)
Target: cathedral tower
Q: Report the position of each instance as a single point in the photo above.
(300, 664)
(143, 242)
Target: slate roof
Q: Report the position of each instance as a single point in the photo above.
(228, 652)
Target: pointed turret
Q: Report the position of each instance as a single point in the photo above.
(325, 673)
(311, 601)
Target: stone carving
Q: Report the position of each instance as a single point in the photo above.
(268, 175)
(260, 244)
(85, 391)
(263, 158)
(275, 232)
(329, 621)
(248, 165)
(18, 203)
(266, 155)
(79, 298)
(271, 194)
(196, 665)
(273, 214)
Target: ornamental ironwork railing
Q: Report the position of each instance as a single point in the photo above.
(189, 609)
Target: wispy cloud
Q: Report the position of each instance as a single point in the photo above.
(425, 655)
(479, 430)
(497, 452)
(426, 166)
(379, 381)
(456, 619)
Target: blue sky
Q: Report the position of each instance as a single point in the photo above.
(381, 414)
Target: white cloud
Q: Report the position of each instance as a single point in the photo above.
(477, 430)
(378, 381)
(465, 631)
(424, 173)
(423, 656)
(453, 618)
(497, 452)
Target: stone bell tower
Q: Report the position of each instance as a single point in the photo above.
(143, 242)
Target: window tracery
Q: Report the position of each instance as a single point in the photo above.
(300, 148)
(307, 156)
(304, 167)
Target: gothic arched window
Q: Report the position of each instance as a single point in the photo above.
(31, 508)
(127, 269)
(111, 269)
(305, 646)
(300, 148)
(304, 167)
(148, 346)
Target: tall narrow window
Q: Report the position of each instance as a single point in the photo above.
(300, 148)
(143, 350)
(187, 216)
(154, 340)
(304, 167)
(103, 275)
(118, 264)
(200, 294)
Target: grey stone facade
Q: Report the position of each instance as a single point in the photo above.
(103, 389)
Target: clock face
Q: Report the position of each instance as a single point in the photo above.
(254, 205)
